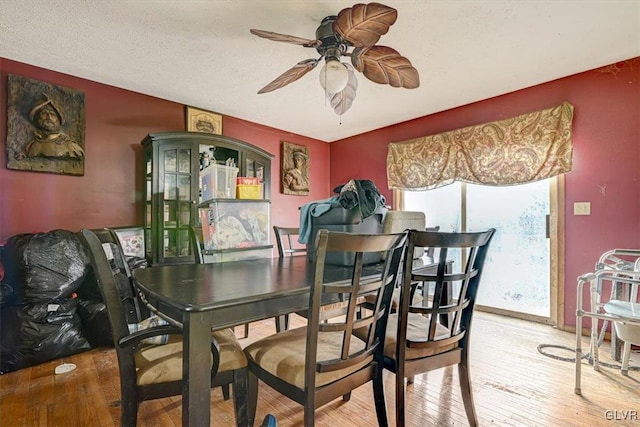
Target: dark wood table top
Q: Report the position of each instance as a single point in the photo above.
(202, 287)
(205, 287)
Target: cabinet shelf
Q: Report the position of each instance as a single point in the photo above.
(231, 250)
(206, 203)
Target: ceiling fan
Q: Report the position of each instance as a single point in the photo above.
(353, 33)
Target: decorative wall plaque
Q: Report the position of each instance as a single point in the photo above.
(203, 121)
(295, 169)
(45, 127)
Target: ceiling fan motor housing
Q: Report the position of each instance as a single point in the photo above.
(333, 45)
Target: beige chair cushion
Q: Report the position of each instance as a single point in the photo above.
(163, 363)
(283, 355)
(416, 330)
(395, 299)
(334, 309)
(160, 363)
(231, 355)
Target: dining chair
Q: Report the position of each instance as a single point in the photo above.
(322, 361)
(395, 224)
(416, 339)
(286, 247)
(133, 308)
(418, 287)
(285, 240)
(197, 243)
(150, 352)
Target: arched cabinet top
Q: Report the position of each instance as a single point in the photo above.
(208, 138)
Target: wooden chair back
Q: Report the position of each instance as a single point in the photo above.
(430, 251)
(423, 342)
(135, 310)
(285, 239)
(102, 258)
(107, 262)
(461, 307)
(327, 359)
(346, 318)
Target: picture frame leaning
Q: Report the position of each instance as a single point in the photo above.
(132, 240)
(203, 121)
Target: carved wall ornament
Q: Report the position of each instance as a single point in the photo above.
(294, 169)
(45, 127)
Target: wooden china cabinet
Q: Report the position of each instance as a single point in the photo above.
(172, 187)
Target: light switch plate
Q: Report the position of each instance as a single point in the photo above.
(582, 208)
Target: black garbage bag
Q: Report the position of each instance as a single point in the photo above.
(10, 322)
(7, 294)
(48, 266)
(95, 323)
(36, 333)
(89, 289)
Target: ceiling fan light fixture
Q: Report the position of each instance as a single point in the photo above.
(334, 76)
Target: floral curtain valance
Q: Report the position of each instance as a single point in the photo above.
(521, 149)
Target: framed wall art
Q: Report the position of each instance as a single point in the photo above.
(131, 240)
(45, 127)
(203, 121)
(294, 169)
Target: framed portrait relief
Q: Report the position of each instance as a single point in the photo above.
(203, 121)
(295, 169)
(45, 127)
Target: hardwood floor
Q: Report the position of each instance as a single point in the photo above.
(514, 385)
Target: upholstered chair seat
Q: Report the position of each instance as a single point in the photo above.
(283, 355)
(232, 356)
(416, 327)
(163, 363)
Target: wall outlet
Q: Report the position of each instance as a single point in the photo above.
(582, 208)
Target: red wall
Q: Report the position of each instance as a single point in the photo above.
(606, 157)
(606, 168)
(109, 194)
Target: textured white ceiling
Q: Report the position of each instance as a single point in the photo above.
(201, 53)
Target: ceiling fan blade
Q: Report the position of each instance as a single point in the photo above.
(342, 101)
(286, 38)
(363, 24)
(291, 75)
(382, 64)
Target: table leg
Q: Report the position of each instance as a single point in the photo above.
(196, 370)
(282, 323)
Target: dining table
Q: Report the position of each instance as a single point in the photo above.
(204, 297)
